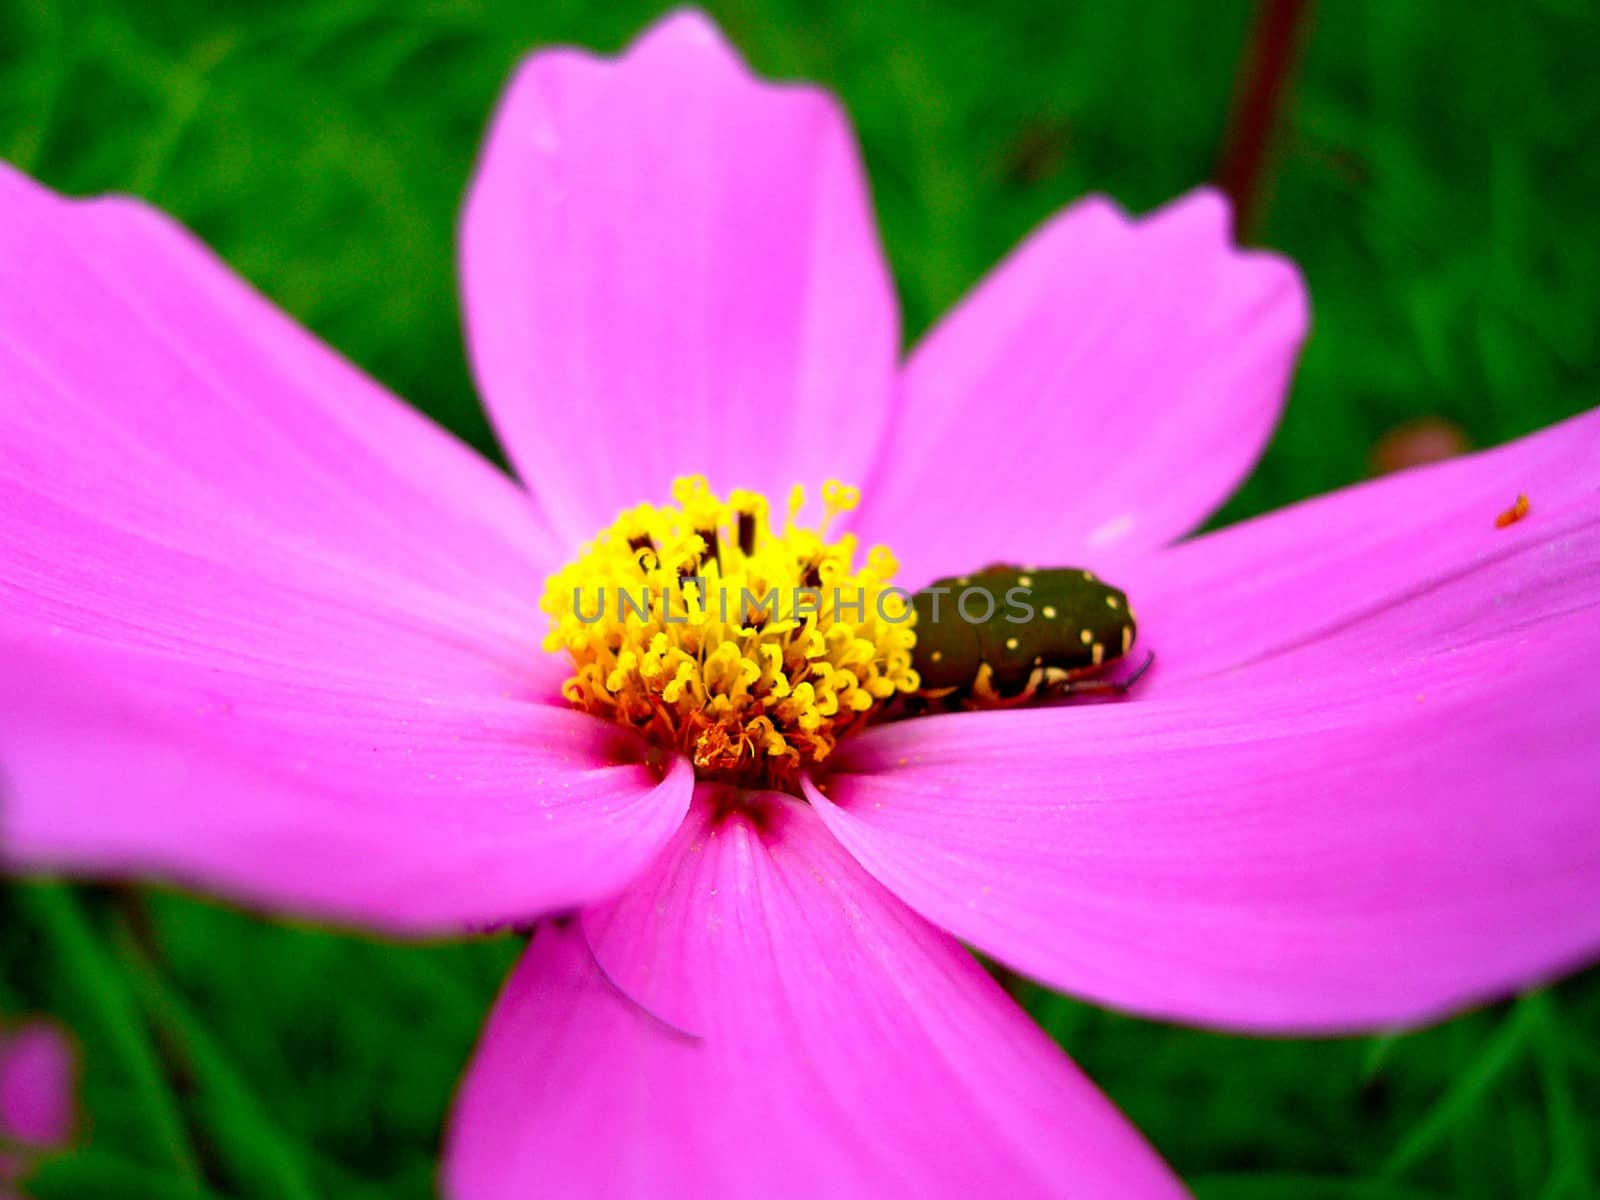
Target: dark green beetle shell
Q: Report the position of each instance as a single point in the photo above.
(1032, 627)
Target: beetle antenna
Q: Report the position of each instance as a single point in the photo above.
(1114, 687)
(1149, 658)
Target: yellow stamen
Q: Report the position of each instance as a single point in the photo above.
(752, 651)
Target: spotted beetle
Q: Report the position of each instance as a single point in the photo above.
(1006, 635)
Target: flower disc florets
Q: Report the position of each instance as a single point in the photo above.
(752, 651)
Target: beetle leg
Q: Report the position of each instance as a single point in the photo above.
(984, 694)
(1062, 683)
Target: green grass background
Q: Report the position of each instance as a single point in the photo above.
(1435, 177)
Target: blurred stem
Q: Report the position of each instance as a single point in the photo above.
(104, 988)
(1472, 1082)
(253, 1144)
(1261, 94)
(1570, 1172)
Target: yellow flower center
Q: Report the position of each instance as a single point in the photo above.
(751, 651)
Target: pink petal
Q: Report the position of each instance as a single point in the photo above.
(36, 1085)
(371, 809)
(1100, 393)
(770, 1022)
(671, 267)
(124, 342)
(325, 602)
(1366, 794)
(182, 467)
(1416, 558)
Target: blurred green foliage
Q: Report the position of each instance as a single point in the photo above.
(1435, 179)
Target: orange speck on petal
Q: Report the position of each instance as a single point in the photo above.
(1513, 514)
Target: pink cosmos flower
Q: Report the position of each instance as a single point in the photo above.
(36, 1088)
(267, 632)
